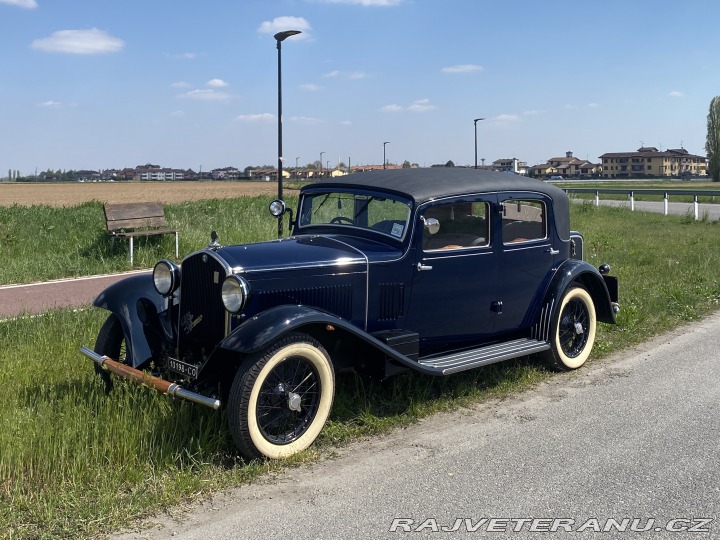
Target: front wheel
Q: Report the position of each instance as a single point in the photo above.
(573, 330)
(111, 343)
(281, 398)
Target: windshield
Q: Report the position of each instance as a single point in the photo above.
(384, 214)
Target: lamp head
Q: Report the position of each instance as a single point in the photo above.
(282, 36)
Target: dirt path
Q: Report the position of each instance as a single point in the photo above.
(73, 193)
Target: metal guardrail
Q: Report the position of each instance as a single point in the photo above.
(695, 193)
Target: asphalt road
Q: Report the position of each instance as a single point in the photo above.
(711, 211)
(34, 298)
(632, 438)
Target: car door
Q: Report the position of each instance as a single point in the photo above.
(454, 274)
(525, 258)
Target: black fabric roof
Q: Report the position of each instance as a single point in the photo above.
(425, 184)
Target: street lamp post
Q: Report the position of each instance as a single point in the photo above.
(280, 37)
(385, 160)
(475, 124)
(321, 167)
(296, 167)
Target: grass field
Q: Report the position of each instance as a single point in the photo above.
(75, 463)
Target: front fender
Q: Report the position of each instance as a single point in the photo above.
(261, 330)
(135, 302)
(573, 270)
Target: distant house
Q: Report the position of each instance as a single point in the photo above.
(158, 174)
(567, 167)
(648, 161)
(267, 175)
(226, 173)
(87, 176)
(510, 165)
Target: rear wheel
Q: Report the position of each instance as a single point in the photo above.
(111, 343)
(281, 398)
(573, 330)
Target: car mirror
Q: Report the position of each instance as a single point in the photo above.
(432, 225)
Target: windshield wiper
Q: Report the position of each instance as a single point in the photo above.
(321, 203)
(363, 207)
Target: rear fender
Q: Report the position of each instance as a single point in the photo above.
(588, 276)
(138, 307)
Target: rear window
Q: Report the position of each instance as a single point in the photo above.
(523, 221)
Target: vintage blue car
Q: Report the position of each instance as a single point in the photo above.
(434, 270)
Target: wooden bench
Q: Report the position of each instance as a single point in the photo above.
(128, 220)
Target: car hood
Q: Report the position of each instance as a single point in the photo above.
(295, 252)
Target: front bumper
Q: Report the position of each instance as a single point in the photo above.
(140, 377)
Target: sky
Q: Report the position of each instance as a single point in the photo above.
(108, 84)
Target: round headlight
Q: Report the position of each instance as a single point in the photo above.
(166, 277)
(277, 208)
(235, 291)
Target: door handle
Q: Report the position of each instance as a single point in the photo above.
(552, 251)
(421, 267)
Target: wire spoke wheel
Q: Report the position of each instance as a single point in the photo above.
(574, 327)
(281, 398)
(288, 400)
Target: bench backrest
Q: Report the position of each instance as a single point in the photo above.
(134, 215)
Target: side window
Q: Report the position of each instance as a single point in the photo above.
(523, 221)
(462, 225)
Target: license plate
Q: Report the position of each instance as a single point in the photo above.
(178, 366)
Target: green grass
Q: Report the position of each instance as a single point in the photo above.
(75, 463)
(39, 243)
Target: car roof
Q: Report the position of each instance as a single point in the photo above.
(425, 184)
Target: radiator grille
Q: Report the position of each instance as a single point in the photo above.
(202, 315)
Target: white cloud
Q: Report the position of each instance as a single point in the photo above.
(593, 105)
(462, 68)
(262, 117)
(207, 95)
(177, 114)
(345, 74)
(217, 83)
(346, 122)
(507, 118)
(533, 112)
(279, 24)
(183, 56)
(52, 104)
(181, 84)
(29, 4)
(676, 93)
(311, 87)
(305, 120)
(419, 105)
(368, 3)
(92, 41)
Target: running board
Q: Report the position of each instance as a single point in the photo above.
(489, 354)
